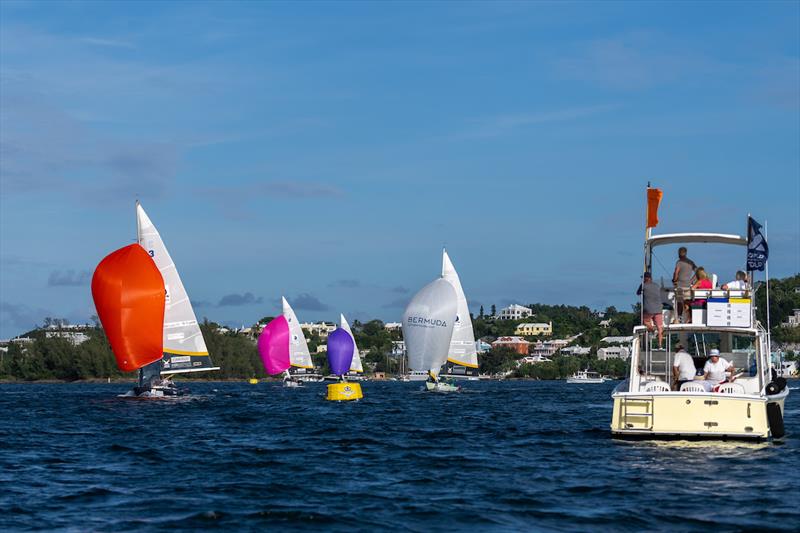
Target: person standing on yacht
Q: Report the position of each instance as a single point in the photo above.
(682, 279)
(652, 297)
(683, 368)
(716, 367)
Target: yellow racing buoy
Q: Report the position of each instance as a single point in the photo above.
(344, 391)
(253, 381)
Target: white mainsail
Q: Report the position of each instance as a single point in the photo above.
(184, 347)
(462, 344)
(355, 364)
(428, 326)
(299, 355)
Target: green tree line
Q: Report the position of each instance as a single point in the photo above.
(58, 359)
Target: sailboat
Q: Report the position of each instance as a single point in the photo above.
(356, 367)
(428, 328)
(182, 347)
(274, 347)
(462, 358)
(302, 368)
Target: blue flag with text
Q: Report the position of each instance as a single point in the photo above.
(757, 249)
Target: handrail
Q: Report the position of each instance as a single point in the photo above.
(690, 238)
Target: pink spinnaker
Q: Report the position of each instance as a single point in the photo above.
(273, 346)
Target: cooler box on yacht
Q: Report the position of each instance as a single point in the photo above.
(731, 312)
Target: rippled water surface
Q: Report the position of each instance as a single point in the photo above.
(498, 456)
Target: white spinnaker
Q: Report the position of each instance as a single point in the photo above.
(355, 364)
(299, 355)
(428, 326)
(462, 344)
(183, 341)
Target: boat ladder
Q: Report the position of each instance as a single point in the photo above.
(656, 359)
(637, 413)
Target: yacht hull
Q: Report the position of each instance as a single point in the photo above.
(697, 416)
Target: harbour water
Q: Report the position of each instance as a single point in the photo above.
(502, 456)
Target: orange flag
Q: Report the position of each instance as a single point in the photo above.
(653, 201)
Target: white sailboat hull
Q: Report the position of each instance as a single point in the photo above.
(441, 387)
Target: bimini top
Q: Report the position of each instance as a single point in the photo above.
(689, 238)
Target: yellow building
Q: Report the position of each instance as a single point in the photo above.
(534, 329)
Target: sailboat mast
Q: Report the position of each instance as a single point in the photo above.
(138, 228)
(138, 240)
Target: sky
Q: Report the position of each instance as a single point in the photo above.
(328, 151)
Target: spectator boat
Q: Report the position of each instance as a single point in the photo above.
(649, 404)
(586, 377)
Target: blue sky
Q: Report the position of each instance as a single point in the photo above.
(327, 151)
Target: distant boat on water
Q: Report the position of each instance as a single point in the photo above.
(428, 328)
(356, 367)
(586, 377)
(282, 347)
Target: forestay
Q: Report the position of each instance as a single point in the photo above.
(462, 344)
(184, 347)
(428, 326)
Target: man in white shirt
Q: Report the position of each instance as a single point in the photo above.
(739, 284)
(683, 368)
(716, 367)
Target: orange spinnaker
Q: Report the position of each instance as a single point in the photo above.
(653, 201)
(129, 295)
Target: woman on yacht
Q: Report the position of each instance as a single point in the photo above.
(703, 282)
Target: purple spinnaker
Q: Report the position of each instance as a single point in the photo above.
(340, 351)
(273, 346)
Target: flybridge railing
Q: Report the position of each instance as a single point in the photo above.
(714, 307)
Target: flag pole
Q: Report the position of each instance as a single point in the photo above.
(646, 250)
(766, 273)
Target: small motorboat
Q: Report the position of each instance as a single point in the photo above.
(585, 376)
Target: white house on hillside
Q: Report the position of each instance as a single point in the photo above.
(613, 352)
(792, 321)
(514, 312)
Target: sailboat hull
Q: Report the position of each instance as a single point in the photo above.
(441, 387)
